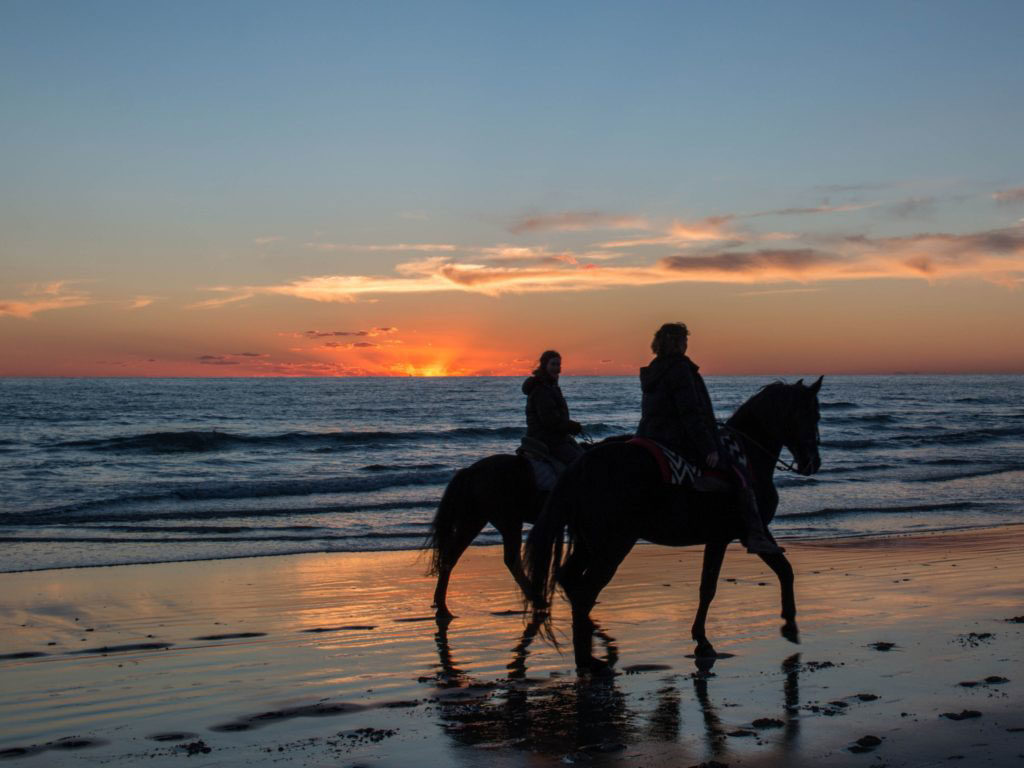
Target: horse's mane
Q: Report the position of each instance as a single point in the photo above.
(773, 392)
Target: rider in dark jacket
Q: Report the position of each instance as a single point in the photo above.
(547, 413)
(676, 411)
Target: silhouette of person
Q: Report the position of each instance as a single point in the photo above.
(676, 412)
(547, 413)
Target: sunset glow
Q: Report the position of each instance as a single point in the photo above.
(479, 204)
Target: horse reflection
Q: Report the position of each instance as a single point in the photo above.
(561, 715)
(546, 715)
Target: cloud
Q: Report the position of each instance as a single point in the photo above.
(795, 261)
(267, 240)
(216, 360)
(351, 345)
(712, 228)
(913, 206)
(824, 208)
(396, 247)
(574, 221)
(44, 297)
(249, 354)
(141, 301)
(994, 255)
(371, 332)
(1009, 196)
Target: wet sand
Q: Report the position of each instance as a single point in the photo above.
(910, 656)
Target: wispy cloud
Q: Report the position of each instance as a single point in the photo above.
(391, 248)
(267, 240)
(823, 208)
(994, 255)
(44, 297)
(1014, 195)
(680, 233)
(575, 221)
(141, 301)
(216, 360)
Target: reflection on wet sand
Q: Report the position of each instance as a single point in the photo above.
(561, 715)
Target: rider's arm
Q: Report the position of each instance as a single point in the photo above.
(690, 408)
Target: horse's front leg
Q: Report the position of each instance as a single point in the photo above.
(780, 565)
(714, 555)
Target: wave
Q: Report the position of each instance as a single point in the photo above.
(966, 437)
(400, 467)
(869, 418)
(849, 443)
(829, 513)
(108, 510)
(837, 406)
(988, 471)
(196, 441)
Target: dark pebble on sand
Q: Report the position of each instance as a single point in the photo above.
(740, 732)
(197, 747)
(869, 741)
(867, 696)
(232, 636)
(711, 764)
(1016, 620)
(767, 722)
(882, 646)
(968, 683)
(966, 714)
(171, 736)
(996, 680)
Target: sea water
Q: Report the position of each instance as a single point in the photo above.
(109, 471)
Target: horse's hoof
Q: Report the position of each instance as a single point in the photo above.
(790, 632)
(705, 650)
(443, 614)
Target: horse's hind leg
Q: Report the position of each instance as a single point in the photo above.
(453, 549)
(512, 541)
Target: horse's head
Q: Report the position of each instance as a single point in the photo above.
(784, 415)
(800, 427)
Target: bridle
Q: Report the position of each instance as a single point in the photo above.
(780, 463)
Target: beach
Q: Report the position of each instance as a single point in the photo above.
(335, 659)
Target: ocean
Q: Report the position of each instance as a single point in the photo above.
(111, 471)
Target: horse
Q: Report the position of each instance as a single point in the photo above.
(499, 490)
(613, 496)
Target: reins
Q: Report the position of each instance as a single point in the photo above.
(780, 463)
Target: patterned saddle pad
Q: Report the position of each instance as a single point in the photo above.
(676, 470)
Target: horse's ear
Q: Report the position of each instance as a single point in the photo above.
(799, 383)
(817, 385)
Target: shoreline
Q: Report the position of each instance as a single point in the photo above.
(324, 659)
(784, 539)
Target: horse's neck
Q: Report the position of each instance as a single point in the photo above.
(762, 448)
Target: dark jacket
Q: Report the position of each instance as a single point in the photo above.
(676, 407)
(547, 413)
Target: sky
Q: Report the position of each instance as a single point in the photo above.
(449, 188)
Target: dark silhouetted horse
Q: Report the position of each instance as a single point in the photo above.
(614, 496)
(499, 490)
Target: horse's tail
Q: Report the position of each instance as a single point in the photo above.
(454, 507)
(546, 549)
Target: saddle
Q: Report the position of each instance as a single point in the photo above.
(676, 470)
(546, 468)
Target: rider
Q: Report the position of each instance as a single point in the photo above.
(547, 413)
(676, 411)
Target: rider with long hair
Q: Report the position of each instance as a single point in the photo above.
(547, 413)
(676, 412)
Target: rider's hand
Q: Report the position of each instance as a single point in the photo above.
(711, 459)
(575, 427)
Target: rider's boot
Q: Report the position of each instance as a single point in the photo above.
(758, 542)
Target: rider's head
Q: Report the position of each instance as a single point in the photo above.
(551, 363)
(670, 339)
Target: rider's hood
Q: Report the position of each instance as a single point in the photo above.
(651, 375)
(534, 381)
